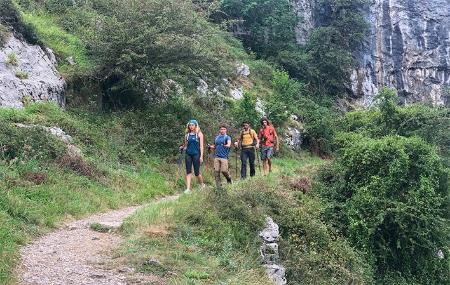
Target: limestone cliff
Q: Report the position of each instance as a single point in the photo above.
(28, 74)
(408, 48)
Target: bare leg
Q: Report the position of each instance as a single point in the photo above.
(269, 162)
(265, 167)
(188, 181)
(200, 180)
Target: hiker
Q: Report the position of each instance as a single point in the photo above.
(269, 138)
(193, 145)
(248, 143)
(222, 145)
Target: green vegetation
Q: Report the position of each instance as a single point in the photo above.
(22, 74)
(4, 34)
(218, 242)
(377, 213)
(389, 196)
(11, 59)
(41, 184)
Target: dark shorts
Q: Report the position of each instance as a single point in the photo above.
(266, 152)
(193, 160)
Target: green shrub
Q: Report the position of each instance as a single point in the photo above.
(4, 34)
(25, 144)
(389, 196)
(12, 59)
(245, 110)
(429, 123)
(22, 74)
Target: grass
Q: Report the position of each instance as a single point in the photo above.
(218, 242)
(64, 44)
(37, 192)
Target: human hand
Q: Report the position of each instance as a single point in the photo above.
(201, 159)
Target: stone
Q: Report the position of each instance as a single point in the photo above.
(271, 232)
(276, 273)
(237, 93)
(44, 83)
(243, 70)
(202, 88)
(269, 252)
(293, 138)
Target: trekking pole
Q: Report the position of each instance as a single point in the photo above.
(259, 160)
(180, 164)
(236, 163)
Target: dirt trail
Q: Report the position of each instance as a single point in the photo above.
(76, 254)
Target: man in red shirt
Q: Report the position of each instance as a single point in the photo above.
(269, 139)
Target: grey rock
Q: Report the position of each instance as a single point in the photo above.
(243, 70)
(202, 88)
(293, 138)
(237, 93)
(408, 49)
(44, 83)
(305, 12)
(271, 232)
(269, 252)
(276, 273)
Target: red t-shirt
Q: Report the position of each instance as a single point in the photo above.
(267, 134)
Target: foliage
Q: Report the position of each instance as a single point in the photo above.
(430, 123)
(22, 74)
(264, 26)
(25, 144)
(282, 102)
(245, 110)
(11, 59)
(389, 196)
(4, 34)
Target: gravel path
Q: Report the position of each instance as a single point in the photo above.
(76, 254)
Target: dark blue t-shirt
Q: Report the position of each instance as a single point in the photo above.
(221, 150)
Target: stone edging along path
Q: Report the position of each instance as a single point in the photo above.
(75, 254)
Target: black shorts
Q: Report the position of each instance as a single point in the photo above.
(193, 160)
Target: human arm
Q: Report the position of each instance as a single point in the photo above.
(228, 145)
(277, 141)
(257, 140)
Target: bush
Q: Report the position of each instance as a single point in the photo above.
(12, 59)
(389, 196)
(429, 123)
(22, 75)
(4, 34)
(25, 144)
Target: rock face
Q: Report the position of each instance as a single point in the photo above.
(40, 79)
(408, 48)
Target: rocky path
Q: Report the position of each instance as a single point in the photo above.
(76, 254)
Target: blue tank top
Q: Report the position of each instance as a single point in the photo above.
(193, 144)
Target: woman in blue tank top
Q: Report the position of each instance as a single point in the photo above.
(193, 145)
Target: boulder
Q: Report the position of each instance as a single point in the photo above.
(40, 81)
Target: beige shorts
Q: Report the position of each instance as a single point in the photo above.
(220, 164)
